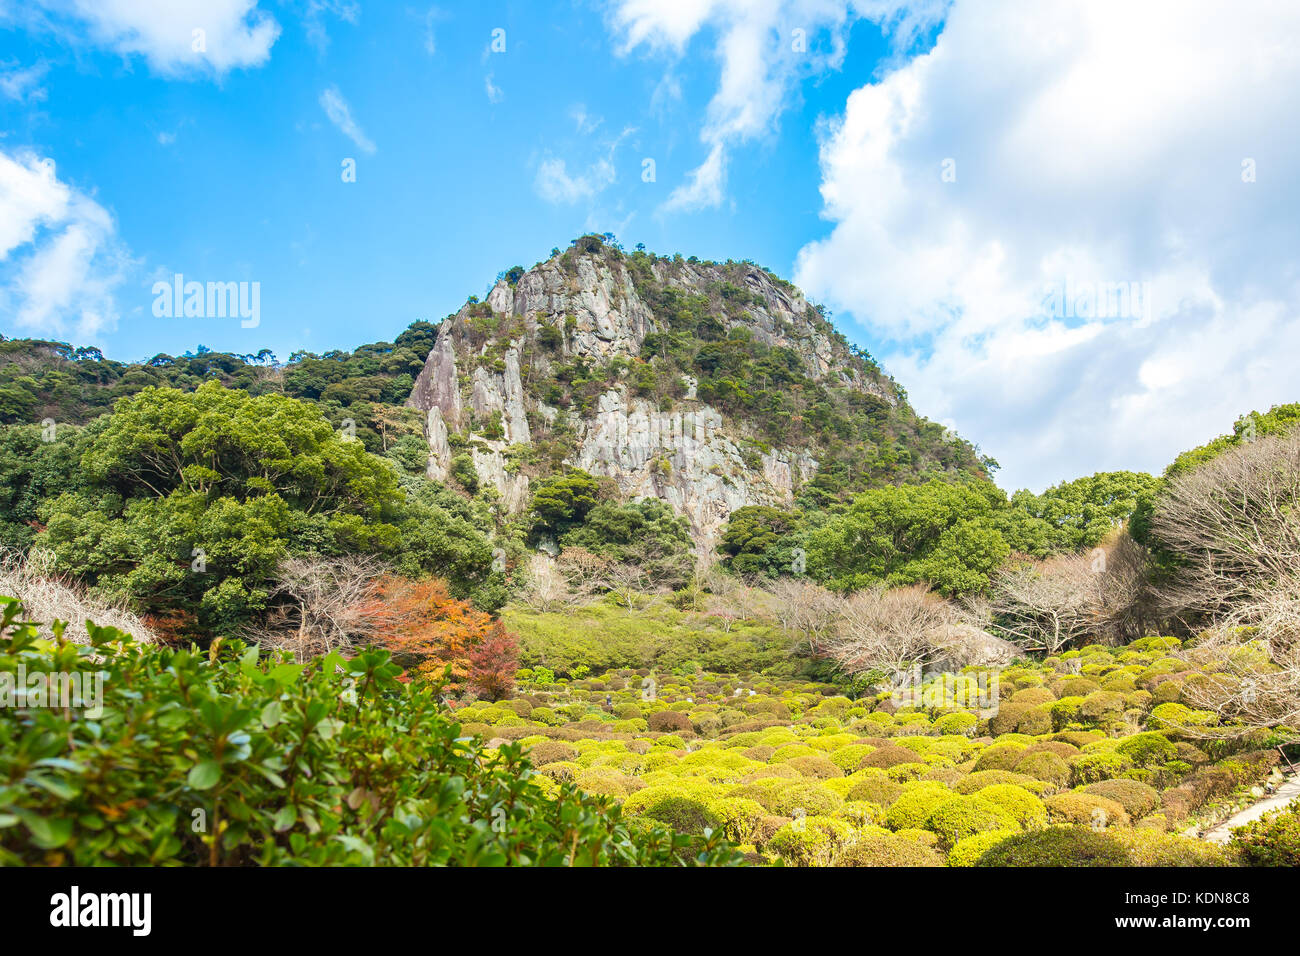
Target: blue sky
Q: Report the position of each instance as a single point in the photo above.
(926, 169)
(238, 176)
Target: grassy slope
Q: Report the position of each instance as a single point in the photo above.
(654, 634)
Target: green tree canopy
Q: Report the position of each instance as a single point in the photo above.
(192, 499)
(562, 501)
(942, 532)
(1080, 513)
(760, 539)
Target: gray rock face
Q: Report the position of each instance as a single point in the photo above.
(502, 392)
(437, 385)
(435, 429)
(690, 456)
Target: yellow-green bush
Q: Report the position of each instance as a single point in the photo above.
(816, 767)
(912, 808)
(1046, 766)
(887, 849)
(1085, 809)
(959, 817)
(974, 782)
(810, 841)
(739, 818)
(1137, 798)
(1000, 756)
(680, 809)
(968, 850)
(1153, 848)
(880, 790)
(1027, 809)
(1056, 846)
(959, 723)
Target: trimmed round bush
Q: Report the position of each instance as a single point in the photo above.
(879, 790)
(809, 798)
(912, 808)
(1147, 750)
(1046, 766)
(1076, 687)
(607, 781)
(790, 751)
(1036, 721)
(1024, 807)
(1079, 738)
(811, 841)
(960, 723)
(1008, 718)
(1085, 809)
(1102, 705)
(948, 776)
(923, 837)
(1033, 696)
(1059, 747)
(974, 782)
(959, 817)
(780, 771)
(817, 767)
(905, 772)
(860, 814)
(1000, 756)
(1137, 798)
(968, 850)
(848, 758)
(1096, 767)
(1155, 848)
(1056, 846)
(887, 849)
(1065, 711)
(668, 721)
(673, 807)
(561, 771)
(551, 751)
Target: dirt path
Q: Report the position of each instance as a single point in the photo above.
(1287, 791)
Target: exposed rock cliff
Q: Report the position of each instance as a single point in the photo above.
(560, 368)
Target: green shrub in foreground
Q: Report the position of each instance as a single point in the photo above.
(230, 758)
(1271, 841)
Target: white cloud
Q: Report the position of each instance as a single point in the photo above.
(764, 47)
(705, 185)
(494, 93)
(233, 33)
(1094, 141)
(555, 184)
(340, 114)
(431, 16)
(583, 120)
(60, 257)
(315, 13)
(23, 83)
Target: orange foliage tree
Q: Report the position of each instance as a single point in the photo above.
(421, 619)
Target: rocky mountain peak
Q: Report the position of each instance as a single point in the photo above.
(642, 369)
